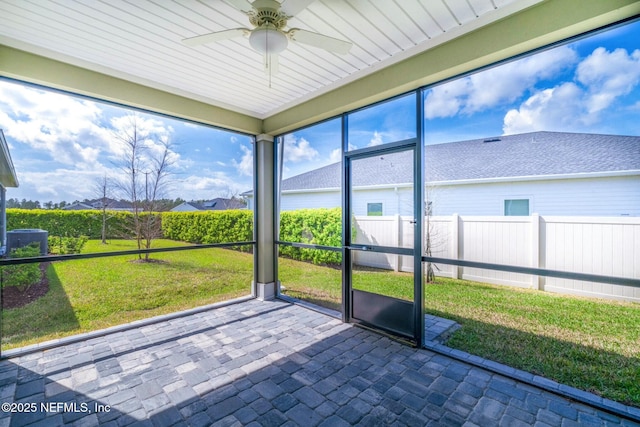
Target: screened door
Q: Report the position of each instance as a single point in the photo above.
(380, 285)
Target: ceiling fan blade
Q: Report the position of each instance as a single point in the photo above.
(241, 5)
(271, 64)
(214, 37)
(319, 40)
(293, 7)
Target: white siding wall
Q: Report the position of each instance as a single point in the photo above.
(325, 199)
(613, 196)
(393, 201)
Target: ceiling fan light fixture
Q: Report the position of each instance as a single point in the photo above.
(268, 40)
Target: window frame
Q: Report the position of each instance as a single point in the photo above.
(370, 204)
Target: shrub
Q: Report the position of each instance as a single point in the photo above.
(209, 226)
(22, 276)
(66, 245)
(312, 226)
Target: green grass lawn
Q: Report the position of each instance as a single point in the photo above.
(586, 343)
(91, 294)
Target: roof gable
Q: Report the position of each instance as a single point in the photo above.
(532, 154)
(523, 155)
(217, 204)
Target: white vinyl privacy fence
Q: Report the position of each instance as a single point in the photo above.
(607, 246)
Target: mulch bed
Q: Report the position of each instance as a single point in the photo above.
(12, 297)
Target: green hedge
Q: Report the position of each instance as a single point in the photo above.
(68, 223)
(312, 226)
(208, 226)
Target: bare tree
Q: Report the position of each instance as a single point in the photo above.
(428, 246)
(434, 240)
(146, 164)
(155, 180)
(103, 187)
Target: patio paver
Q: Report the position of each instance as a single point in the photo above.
(267, 364)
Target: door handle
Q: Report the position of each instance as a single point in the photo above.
(359, 247)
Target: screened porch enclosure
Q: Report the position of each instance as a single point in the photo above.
(481, 174)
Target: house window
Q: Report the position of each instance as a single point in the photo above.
(374, 209)
(516, 207)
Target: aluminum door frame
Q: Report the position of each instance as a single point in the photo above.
(384, 308)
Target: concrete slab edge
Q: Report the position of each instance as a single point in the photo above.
(572, 393)
(47, 345)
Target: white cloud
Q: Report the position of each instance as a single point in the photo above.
(376, 140)
(608, 75)
(600, 78)
(245, 165)
(499, 85)
(59, 184)
(558, 108)
(64, 127)
(205, 187)
(336, 155)
(297, 150)
(208, 184)
(447, 99)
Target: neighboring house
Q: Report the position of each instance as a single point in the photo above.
(111, 204)
(218, 204)
(78, 206)
(8, 178)
(549, 173)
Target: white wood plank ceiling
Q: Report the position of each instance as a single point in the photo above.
(140, 40)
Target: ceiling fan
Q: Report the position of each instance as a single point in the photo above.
(268, 37)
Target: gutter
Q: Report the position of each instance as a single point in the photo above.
(551, 177)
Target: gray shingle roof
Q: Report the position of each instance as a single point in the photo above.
(218, 204)
(528, 154)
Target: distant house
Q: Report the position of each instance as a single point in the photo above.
(550, 173)
(111, 204)
(218, 204)
(8, 178)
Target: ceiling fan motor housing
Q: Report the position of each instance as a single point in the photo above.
(268, 12)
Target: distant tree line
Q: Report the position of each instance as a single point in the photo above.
(28, 204)
(162, 204)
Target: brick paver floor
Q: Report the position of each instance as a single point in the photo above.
(270, 364)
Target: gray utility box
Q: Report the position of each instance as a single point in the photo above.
(22, 237)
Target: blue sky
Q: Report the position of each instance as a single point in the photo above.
(591, 85)
(61, 145)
